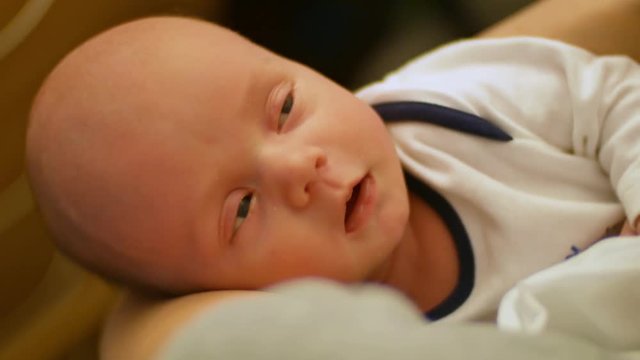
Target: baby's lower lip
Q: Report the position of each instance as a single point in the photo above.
(364, 206)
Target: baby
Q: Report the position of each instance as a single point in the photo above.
(173, 155)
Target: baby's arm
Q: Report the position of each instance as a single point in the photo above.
(615, 141)
(541, 92)
(603, 122)
(603, 95)
(602, 27)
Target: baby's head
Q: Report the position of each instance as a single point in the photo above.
(172, 154)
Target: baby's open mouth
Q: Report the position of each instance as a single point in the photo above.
(351, 203)
(360, 205)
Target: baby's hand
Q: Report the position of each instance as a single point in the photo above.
(628, 230)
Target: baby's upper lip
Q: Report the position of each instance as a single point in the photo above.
(342, 192)
(349, 188)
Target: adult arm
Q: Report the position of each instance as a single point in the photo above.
(602, 27)
(140, 325)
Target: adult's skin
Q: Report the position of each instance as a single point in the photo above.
(139, 326)
(603, 27)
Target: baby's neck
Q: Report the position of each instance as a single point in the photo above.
(425, 264)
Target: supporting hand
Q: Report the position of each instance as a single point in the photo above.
(628, 230)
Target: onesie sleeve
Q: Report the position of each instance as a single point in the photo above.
(537, 90)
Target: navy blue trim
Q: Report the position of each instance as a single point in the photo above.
(466, 123)
(461, 241)
(442, 116)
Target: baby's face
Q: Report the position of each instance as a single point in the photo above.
(251, 168)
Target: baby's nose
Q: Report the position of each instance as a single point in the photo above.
(292, 172)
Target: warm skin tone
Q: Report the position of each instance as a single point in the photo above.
(183, 153)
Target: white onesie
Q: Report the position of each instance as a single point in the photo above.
(566, 170)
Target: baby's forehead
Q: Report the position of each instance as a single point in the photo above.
(152, 48)
(153, 40)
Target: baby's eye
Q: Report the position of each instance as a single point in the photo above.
(244, 207)
(285, 111)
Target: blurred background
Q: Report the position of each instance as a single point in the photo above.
(51, 309)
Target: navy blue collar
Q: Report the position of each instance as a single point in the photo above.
(461, 241)
(459, 121)
(441, 116)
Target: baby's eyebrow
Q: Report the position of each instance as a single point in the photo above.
(255, 90)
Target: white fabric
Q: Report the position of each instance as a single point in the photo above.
(595, 295)
(575, 120)
(319, 320)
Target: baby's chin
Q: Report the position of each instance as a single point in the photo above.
(396, 232)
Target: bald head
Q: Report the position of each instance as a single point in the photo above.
(98, 154)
